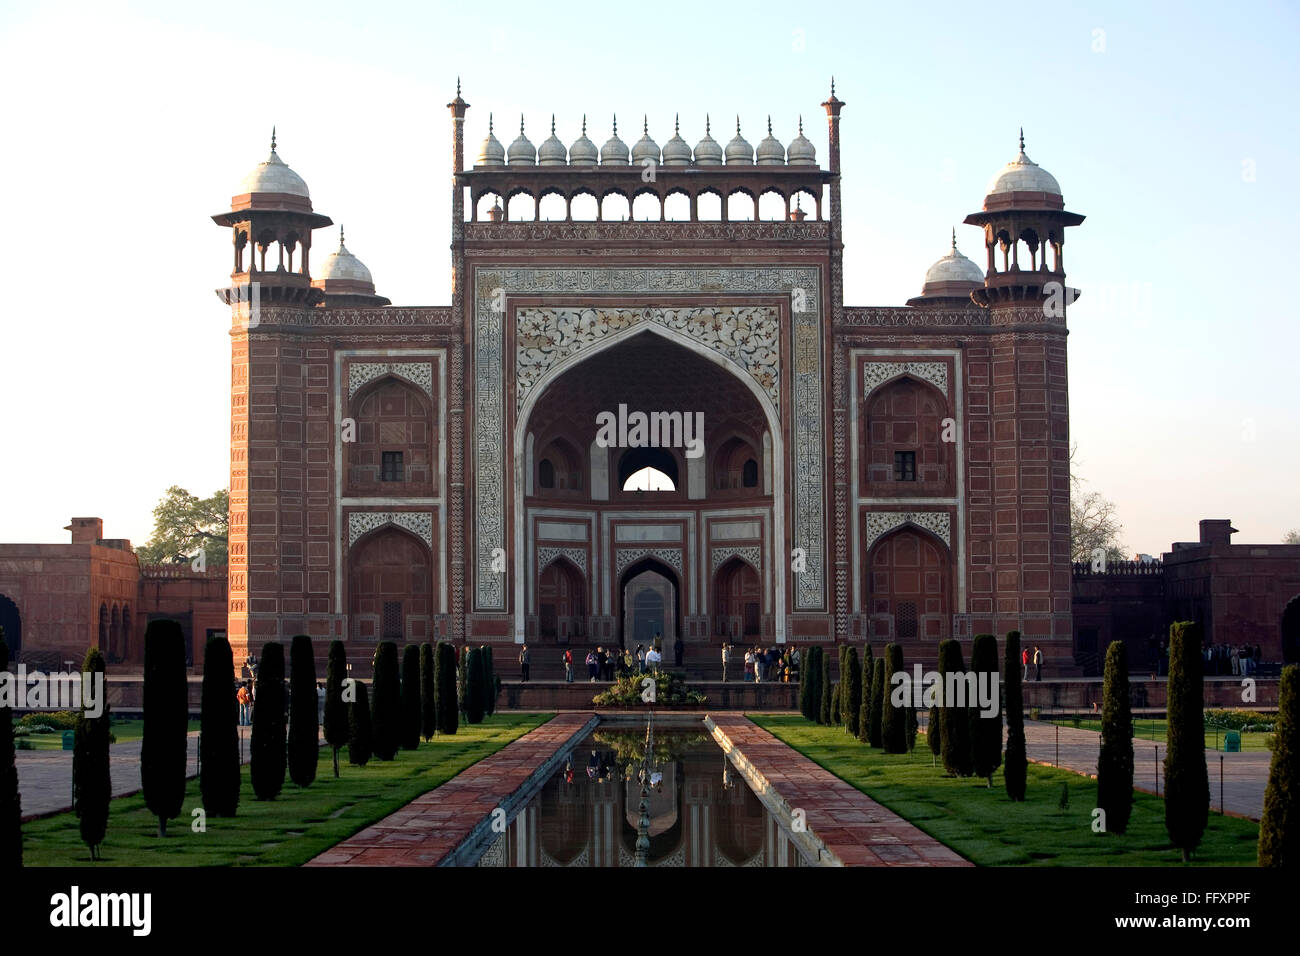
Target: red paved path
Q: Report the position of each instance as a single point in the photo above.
(855, 829)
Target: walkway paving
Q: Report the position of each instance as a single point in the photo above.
(844, 821)
(430, 830)
(1245, 775)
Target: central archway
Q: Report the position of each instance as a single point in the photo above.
(644, 607)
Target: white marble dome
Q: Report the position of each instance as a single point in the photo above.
(273, 176)
(491, 153)
(552, 151)
(739, 152)
(645, 148)
(614, 152)
(954, 267)
(677, 152)
(770, 151)
(707, 150)
(522, 152)
(801, 152)
(1023, 175)
(341, 265)
(583, 152)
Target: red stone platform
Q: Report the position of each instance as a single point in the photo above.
(842, 821)
(429, 829)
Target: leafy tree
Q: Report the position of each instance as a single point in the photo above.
(876, 712)
(185, 523)
(304, 712)
(1279, 828)
(91, 785)
(166, 721)
(386, 711)
(336, 710)
(1187, 781)
(219, 736)
(1093, 521)
(986, 732)
(428, 702)
(824, 689)
(410, 735)
(11, 807)
(955, 722)
(1115, 763)
(1017, 762)
(864, 710)
(359, 737)
(444, 681)
(476, 687)
(266, 763)
(1292, 536)
(853, 698)
(893, 730)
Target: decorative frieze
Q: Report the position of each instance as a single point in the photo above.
(419, 374)
(626, 556)
(880, 523)
(750, 553)
(419, 523)
(877, 373)
(546, 555)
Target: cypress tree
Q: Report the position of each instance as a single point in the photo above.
(1187, 780)
(462, 678)
(985, 732)
(336, 709)
(428, 705)
(955, 721)
(1016, 761)
(266, 763)
(444, 682)
(805, 683)
(1115, 763)
(489, 682)
(824, 688)
(911, 729)
(876, 716)
(11, 808)
(476, 688)
(934, 733)
(840, 703)
(219, 731)
(853, 699)
(1279, 828)
(835, 705)
(164, 747)
(410, 735)
(360, 741)
(864, 711)
(91, 786)
(893, 729)
(386, 708)
(304, 712)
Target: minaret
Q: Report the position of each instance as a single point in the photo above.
(456, 412)
(458, 107)
(839, 385)
(1028, 419)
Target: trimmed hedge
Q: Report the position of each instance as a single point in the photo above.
(852, 679)
(304, 715)
(868, 671)
(1187, 780)
(219, 734)
(985, 732)
(824, 688)
(92, 787)
(336, 709)
(164, 746)
(1279, 828)
(1115, 763)
(410, 735)
(893, 729)
(360, 740)
(476, 687)
(267, 751)
(1016, 761)
(428, 706)
(876, 715)
(955, 721)
(444, 681)
(386, 708)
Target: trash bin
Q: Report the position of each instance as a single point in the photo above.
(69, 738)
(1232, 742)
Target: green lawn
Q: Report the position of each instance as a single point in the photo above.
(124, 730)
(1157, 729)
(288, 831)
(990, 830)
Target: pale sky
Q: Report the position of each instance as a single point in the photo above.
(1171, 127)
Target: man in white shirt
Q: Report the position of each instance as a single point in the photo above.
(726, 659)
(652, 659)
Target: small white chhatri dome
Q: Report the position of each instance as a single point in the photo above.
(801, 151)
(583, 151)
(614, 152)
(739, 152)
(342, 265)
(770, 150)
(522, 152)
(552, 151)
(707, 150)
(491, 153)
(1023, 175)
(273, 176)
(645, 148)
(677, 152)
(954, 267)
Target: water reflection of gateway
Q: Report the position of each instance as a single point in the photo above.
(694, 819)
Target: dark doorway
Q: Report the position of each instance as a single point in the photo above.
(1290, 632)
(12, 622)
(669, 618)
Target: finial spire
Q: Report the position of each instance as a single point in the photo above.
(340, 235)
(458, 86)
(1022, 139)
(615, 124)
(769, 124)
(584, 124)
(552, 124)
(521, 124)
(800, 124)
(707, 129)
(645, 124)
(832, 86)
(737, 124)
(677, 123)
(273, 139)
(489, 124)
(954, 238)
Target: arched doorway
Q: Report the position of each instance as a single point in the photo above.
(104, 647)
(115, 635)
(389, 574)
(649, 604)
(1291, 632)
(12, 623)
(737, 600)
(909, 587)
(561, 603)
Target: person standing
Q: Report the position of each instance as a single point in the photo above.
(726, 659)
(678, 650)
(1038, 663)
(1024, 659)
(591, 666)
(601, 660)
(524, 660)
(568, 666)
(795, 658)
(242, 697)
(652, 659)
(749, 665)
(640, 658)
